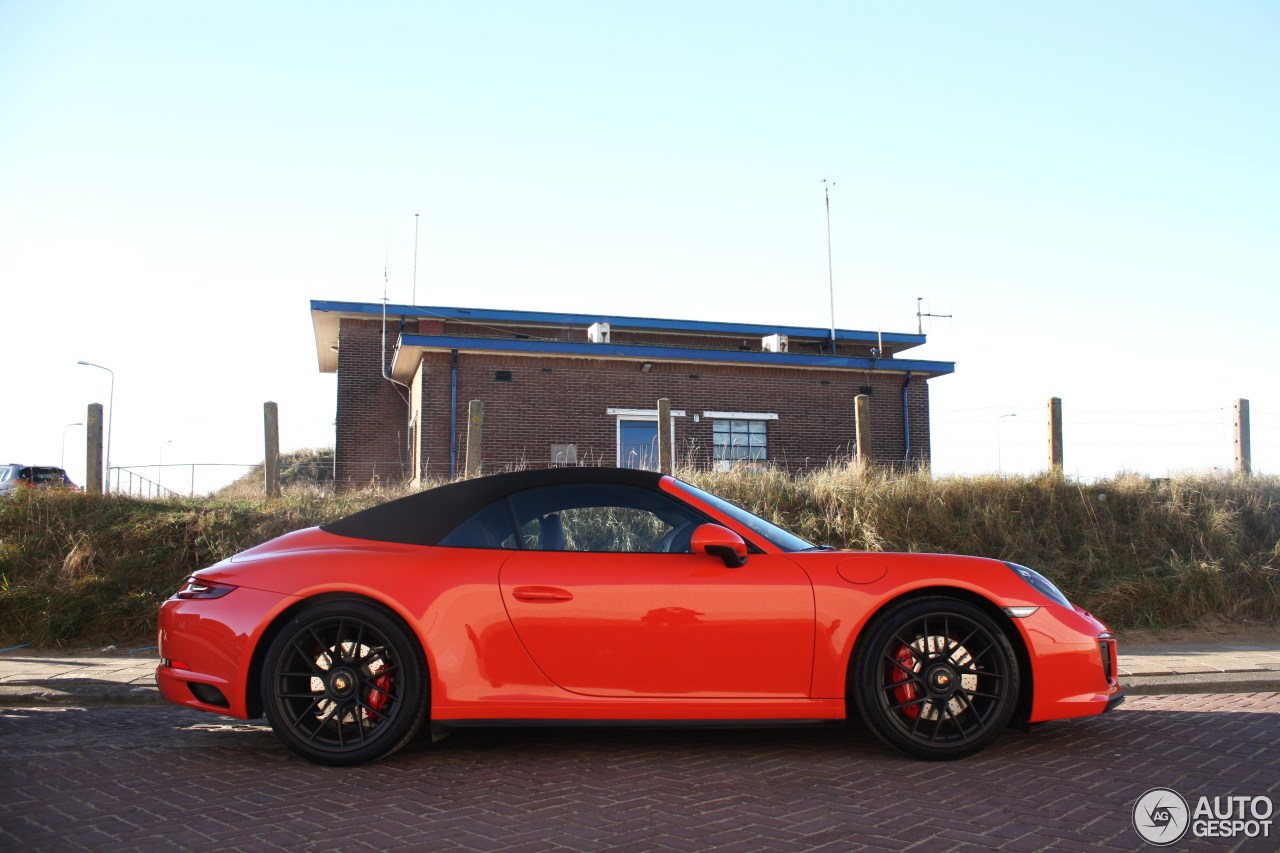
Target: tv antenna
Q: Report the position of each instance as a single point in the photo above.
(921, 314)
(414, 298)
(831, 287)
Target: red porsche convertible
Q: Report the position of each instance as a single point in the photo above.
(589, 595)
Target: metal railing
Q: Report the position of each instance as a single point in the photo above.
(129, 480)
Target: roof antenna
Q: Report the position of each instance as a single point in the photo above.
(386, 374)
(831, 288)
(921, 314)
(414, 300)
(385, 253)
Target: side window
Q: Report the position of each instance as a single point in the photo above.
(603, 517)
(488, 528)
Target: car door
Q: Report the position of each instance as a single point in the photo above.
(608, 601)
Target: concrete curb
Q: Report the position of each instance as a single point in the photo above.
(35, 695)
(47, 695)
(46, 677)
(1207, 682)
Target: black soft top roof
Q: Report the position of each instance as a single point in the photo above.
(427, 517)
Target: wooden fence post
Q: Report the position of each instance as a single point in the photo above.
(271, 462)
(862, 427)
(664, 435)
(93, 450)
(1055, 435)
(475, 425)
(1244, 449)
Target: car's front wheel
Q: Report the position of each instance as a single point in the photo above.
(937, 678)
(344, 683)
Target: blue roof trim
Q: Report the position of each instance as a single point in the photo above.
(481, 315)
(654, 353)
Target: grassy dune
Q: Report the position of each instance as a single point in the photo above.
(78, 569)
(1136, 551)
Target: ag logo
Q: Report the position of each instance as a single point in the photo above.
(1161, 816)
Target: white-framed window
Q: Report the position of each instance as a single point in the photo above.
(638, 436)
(739, 438)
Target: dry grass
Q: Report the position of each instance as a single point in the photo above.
(85, 568)
(77, 569)
(1139, 552)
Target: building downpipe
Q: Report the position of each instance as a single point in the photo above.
(453, 415)
(386, 374)
(906, 421)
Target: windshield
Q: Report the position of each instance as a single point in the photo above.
(775, 534)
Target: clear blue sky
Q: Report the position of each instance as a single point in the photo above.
(1092, 189)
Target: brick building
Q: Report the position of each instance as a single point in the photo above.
(583, 389)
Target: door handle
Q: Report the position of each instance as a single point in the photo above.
(541, 593)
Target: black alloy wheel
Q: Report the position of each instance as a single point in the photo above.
(937, 678)
(344, 683)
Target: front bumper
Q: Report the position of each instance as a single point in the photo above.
(1073, 664)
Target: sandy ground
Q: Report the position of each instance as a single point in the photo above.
(1215, 632)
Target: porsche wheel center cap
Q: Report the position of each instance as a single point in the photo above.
(942, 680)
(342, 683)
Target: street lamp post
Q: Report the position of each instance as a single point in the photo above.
(160, 468)
(999, 448)
(63, 464)
(111, 415)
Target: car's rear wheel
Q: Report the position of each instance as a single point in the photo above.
(344, 683)
(937, 679)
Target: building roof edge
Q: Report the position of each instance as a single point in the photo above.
(631, 352)
(902, 340)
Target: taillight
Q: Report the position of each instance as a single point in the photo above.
(197, 588)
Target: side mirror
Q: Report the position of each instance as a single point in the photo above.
(717, 541)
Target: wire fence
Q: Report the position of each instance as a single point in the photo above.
(1102, 442)
(1097, 443)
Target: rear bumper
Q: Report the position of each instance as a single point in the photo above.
(206, 648)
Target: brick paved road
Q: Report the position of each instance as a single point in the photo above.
(160, 778)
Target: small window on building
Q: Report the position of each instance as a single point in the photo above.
(739, 441)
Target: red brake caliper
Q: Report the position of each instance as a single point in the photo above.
(905, 692)
(378, 698)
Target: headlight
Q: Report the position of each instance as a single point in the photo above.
(197, 588)
(1042, 584)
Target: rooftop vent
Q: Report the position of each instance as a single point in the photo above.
(775, 343)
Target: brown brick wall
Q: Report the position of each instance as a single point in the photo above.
(372, 430)
(564, 401)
